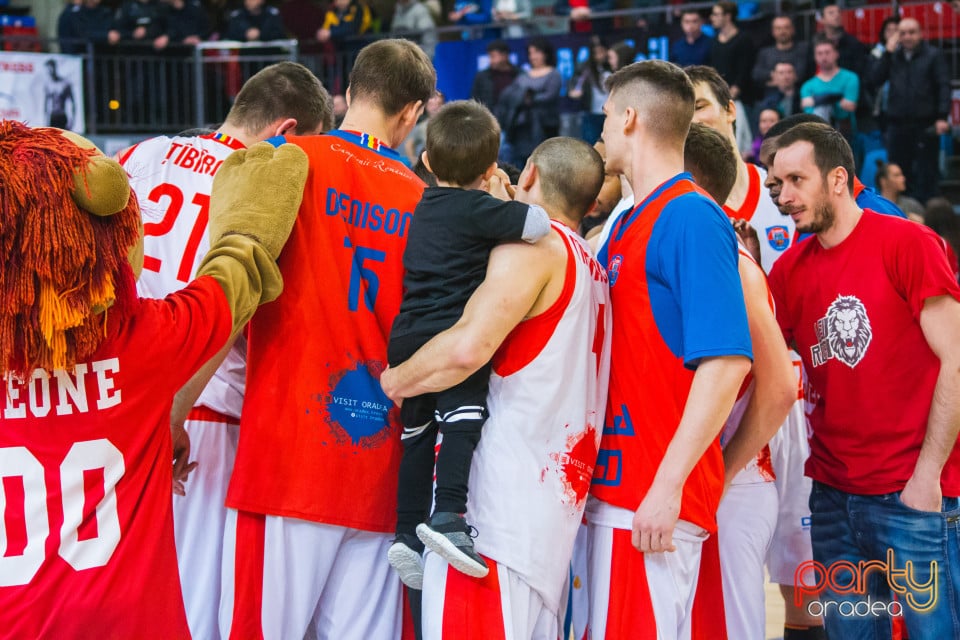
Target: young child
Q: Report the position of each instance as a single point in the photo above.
(454, 228)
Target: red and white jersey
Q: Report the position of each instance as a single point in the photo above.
(777, 232)
(173, 178)
(531, 471)
(760, 469)
(86, 524)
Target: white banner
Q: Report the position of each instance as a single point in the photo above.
(41, 89)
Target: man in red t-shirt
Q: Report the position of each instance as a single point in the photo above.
(872, 307)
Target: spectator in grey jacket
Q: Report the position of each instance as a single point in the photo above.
(411, 17)
(785, 48)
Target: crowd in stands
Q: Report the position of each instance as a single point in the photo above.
(868, 91)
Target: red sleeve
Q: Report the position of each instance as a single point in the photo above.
(921, 269)
(186, 328)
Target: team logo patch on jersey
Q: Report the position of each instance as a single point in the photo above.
(614, 269)
(844, 333)
(778, 236)
(357, 408)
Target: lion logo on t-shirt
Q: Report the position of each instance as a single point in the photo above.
(848, 330)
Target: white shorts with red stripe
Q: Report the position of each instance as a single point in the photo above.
(498, 607)
(642, 596)
(288, 578)
(791, 546)
(746, 519)
(199, 517)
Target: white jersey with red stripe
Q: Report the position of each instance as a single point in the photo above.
(173, 178)
(531, 471)
(777, 232)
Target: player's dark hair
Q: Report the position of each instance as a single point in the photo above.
(659, 91)
(282, 90)
(728, 8)
(830, 148)
(702, 74)
(571, 175)
(710, 157)
(392, 74)
(790, 122)
(463, 140)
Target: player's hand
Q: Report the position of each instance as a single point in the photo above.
(257, 193)
(181, 456)
(748, 236)
(654, 521)
(922, 495)
(388, 381)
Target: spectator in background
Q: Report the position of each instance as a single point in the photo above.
(783, 95)
(339, 109)
(414, 143)
(255, 22)
(766, 119)
(878, 95)
(694, 47)
(852, 52)
(529, 109)
(83, 22)
(489, 83)
(345, 19)
(731, 53)
(587, 86)
(411, 17)
(833, 92)
(620, 55)
(892, 185)
(918, 103)
(581, 14)
(785, 48)
(185, 24)
(514, 12)
(137, 21)
(302, 19)
(471, 12)
(942, 218)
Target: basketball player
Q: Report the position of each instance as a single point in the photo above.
(313, 493)
(747, 514)
(172, 178)
(681, 348)
(541, 314)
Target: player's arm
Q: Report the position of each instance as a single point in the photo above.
(940, 322)
(712, 394)
(698, 257)
(775, 383)
(516, 276)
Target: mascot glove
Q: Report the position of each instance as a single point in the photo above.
(257, 193)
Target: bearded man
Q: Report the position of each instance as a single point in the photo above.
(872, 307)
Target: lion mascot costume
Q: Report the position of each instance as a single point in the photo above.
(90, 370)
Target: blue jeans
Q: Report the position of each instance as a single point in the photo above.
(903, 544)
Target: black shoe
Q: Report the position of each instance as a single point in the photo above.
(406, 556)
(448, 534)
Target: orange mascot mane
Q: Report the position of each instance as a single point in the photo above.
(62, 267)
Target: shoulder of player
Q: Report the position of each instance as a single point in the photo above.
(542, 257)
(694, 210)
